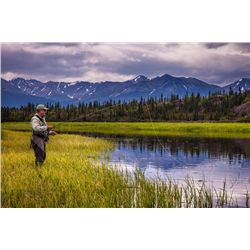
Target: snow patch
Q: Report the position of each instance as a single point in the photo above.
(70, 96)
(92, 92)
(78, 88)
(185, 87)
(118, 93)
(73, 83)
(18, 85)
(140, 77)
(152, 92)
(137, 78)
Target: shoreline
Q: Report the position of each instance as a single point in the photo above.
(141, 129)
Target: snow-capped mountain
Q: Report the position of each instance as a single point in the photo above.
(243, 84)
(20, 91)
(140, 78)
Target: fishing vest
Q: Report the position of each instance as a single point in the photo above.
(44, 134)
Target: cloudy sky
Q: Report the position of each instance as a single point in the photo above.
(217, 63)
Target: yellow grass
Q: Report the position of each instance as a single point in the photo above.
(72, 176)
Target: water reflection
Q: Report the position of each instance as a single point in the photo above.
(179, 152)
(209, 159)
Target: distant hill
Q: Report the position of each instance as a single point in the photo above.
(243, 84)
(20, 91)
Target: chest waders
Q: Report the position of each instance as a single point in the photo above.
(38, 143)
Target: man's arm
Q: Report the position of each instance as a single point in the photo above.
(52, 132)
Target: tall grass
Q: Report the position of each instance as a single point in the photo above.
(194, 129)
(71, 177)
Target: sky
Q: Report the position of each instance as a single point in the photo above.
(215, 63)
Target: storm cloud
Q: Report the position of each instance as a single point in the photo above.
(217, 63)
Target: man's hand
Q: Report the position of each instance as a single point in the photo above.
(53, 133)
(49, 127)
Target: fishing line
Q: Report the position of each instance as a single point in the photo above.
(150, 118)
(156, 135)
(92, 113)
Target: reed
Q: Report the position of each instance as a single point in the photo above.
(73, 176)
(193, 129)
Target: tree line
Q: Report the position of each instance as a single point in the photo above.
(214, 107)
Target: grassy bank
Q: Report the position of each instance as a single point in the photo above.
(71, 177)
(194, 129)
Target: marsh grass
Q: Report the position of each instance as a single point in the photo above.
(71, 177)
(193, 129)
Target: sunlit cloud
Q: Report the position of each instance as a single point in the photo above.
(217, 63)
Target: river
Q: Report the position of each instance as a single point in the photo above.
(212, 160)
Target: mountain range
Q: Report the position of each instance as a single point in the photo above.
(19, 91)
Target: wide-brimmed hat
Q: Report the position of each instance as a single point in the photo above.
(41, 107)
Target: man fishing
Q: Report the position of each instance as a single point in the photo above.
(40, 134)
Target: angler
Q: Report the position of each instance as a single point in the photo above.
(40, 134)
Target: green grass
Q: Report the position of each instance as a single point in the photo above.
(193, 129)
(72, 177)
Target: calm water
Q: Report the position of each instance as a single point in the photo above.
(212, 160)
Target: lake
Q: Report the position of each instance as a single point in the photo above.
(212, 160)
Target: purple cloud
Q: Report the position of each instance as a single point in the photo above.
(217, 63)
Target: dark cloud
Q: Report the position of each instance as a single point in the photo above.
(218, 68)
(243, 47)
(210, 62)
(172, 45)
(43, 64)
(214, 45)
(56, 44)
(150, 67)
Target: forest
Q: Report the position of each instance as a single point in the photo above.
(231, 106)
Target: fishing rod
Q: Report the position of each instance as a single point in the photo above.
(150, 119)
(93, 113)
(156, 135)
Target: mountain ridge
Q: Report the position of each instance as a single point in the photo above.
(19, 91)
